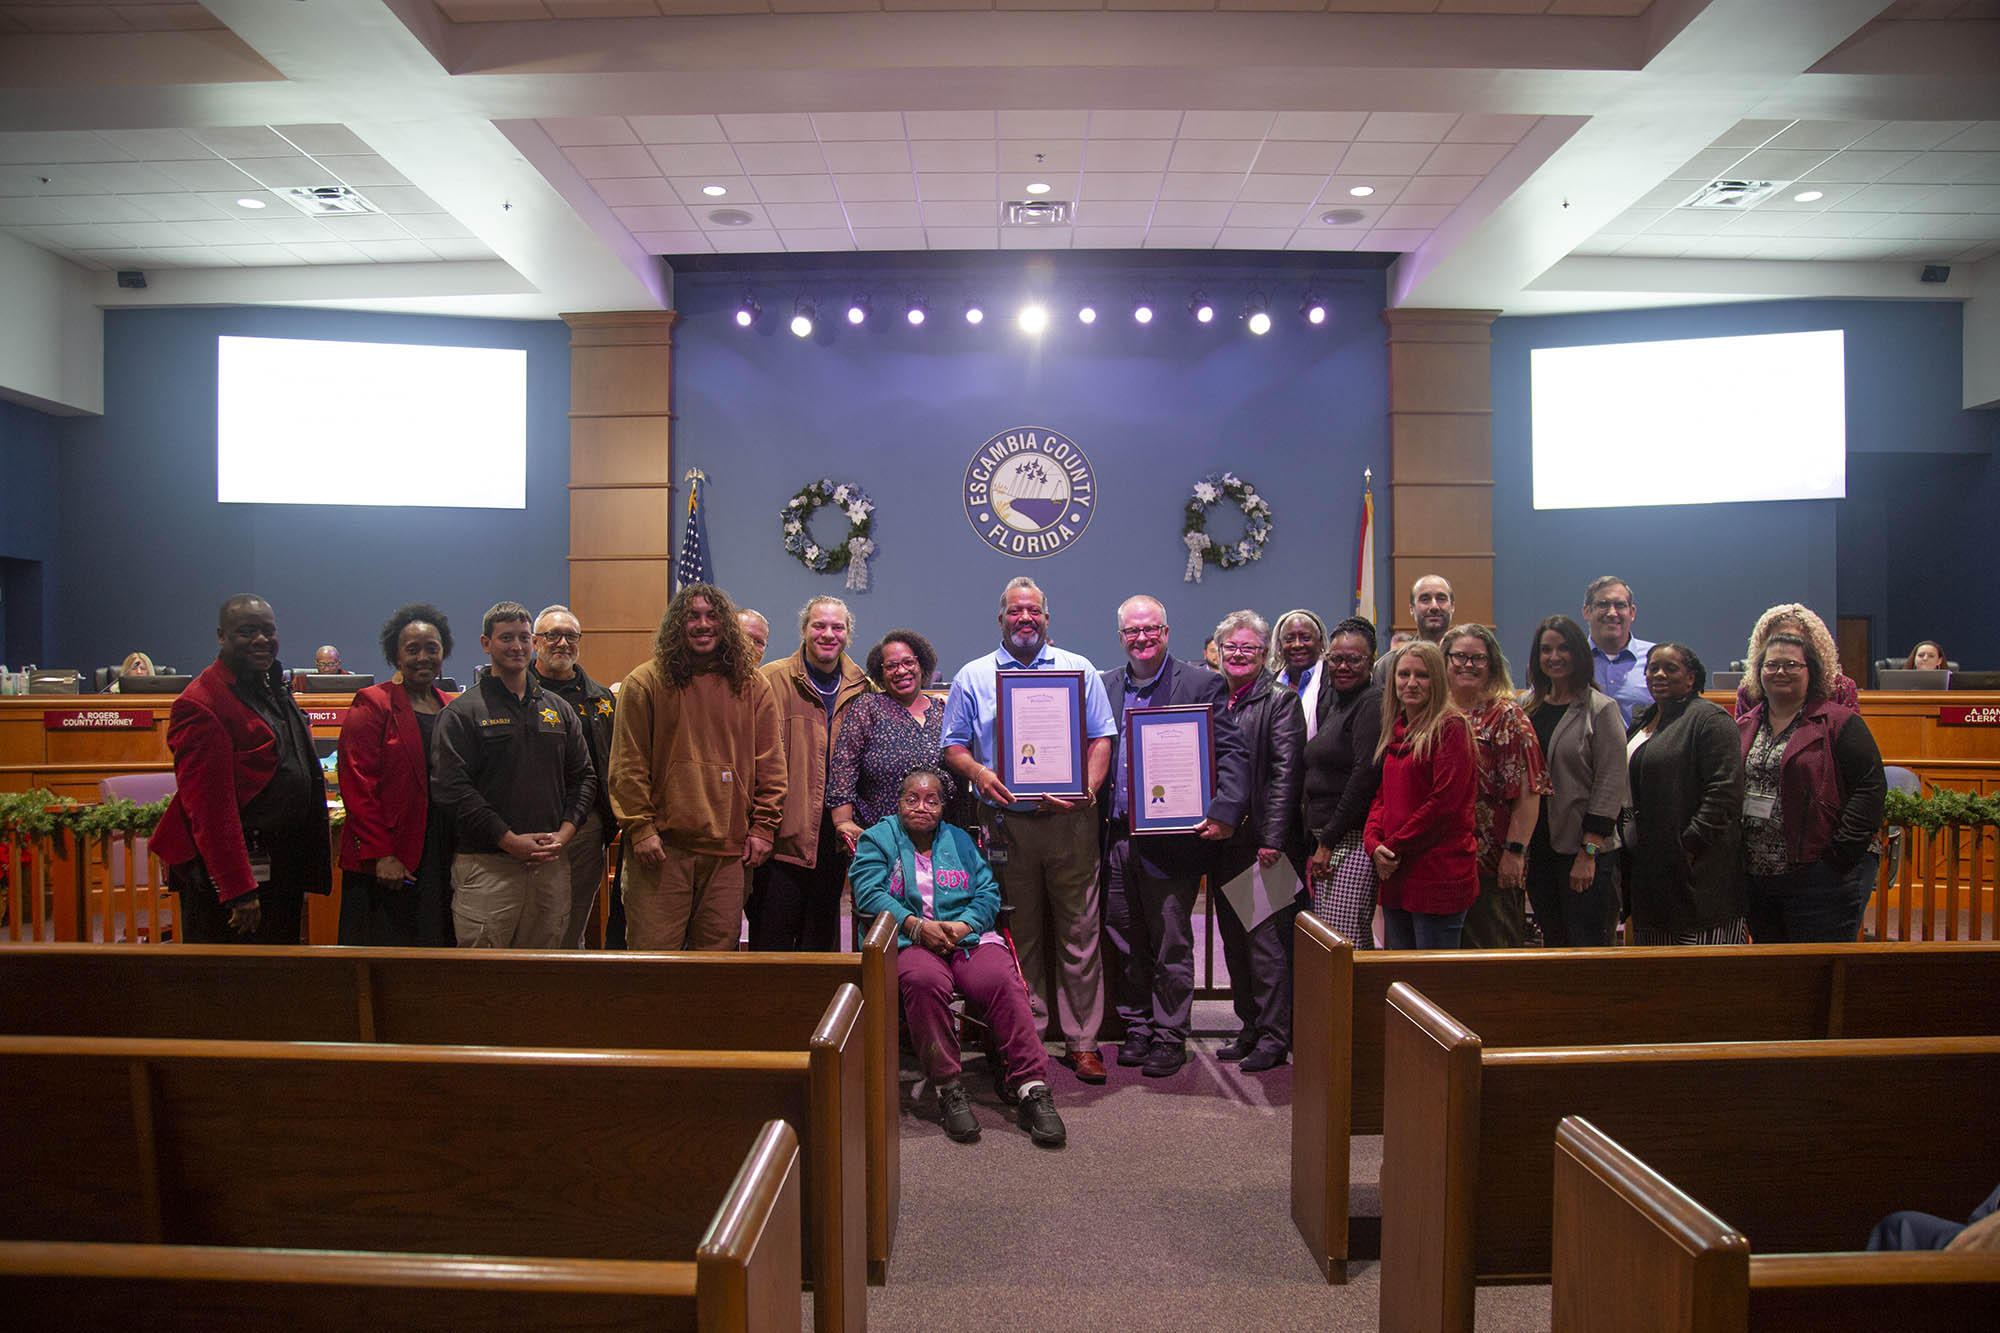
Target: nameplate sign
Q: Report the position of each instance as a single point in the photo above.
(97, 719)
(326, 717)
(1969, 715)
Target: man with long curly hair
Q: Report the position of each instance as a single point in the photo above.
(697, 776)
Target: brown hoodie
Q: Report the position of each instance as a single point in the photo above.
(701, 767)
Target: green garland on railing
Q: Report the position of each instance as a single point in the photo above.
(1942, 808)
(40, 813)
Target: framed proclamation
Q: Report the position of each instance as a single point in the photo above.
(1038, 733)
(1169, 767)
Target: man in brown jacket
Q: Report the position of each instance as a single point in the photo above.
(795, 897)
(697, 777)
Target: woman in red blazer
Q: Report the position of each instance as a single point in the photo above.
(1420, 826)
(395, 859)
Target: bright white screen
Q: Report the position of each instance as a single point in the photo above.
(400, 425)
(1698, 421)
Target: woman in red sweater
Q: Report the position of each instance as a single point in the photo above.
(1419, 828)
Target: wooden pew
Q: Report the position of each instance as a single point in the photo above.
(744, 1278)
(1556, 997)
(430, 1149)
(1467, 1147)
(451, 997)
(1633, 1252)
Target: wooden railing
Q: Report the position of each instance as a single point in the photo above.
(106, 887)
(1940, 891)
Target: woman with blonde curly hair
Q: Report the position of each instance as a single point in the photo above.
(1799, 620)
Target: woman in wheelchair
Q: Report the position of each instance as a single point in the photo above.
(932, 877)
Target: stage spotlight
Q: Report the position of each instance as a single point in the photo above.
(857, 309)
(1034, 318)
(746, 314)
(1086, 313)
(917, 307)
(1257, 313)
(1312, 308)
(1142, 313)
(974, 313)
(1200, 307)
(802, 318)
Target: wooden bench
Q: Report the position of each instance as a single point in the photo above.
(1757, 1127)
(1557, 997)
(449, 997)
(1633, 1252)
(430, 1149)
(744, 1278)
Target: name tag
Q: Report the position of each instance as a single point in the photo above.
(260, 867)
(496, 721)
(1758, 807)
(727, 776)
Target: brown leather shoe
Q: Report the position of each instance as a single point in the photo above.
(1089, 1068)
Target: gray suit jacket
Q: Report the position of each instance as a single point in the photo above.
(1587, 767)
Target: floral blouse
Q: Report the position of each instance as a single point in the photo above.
(1509, 760)
(879, 743)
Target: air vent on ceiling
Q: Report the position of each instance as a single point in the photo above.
(1342, 217)
(1038, 212)
(1732, 194)
(324, 200)
(730, 217)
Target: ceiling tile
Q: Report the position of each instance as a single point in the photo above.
(638, 192)
(1407, 126)
(1692, 222)
(874, 187)
(364, 227)
(1337, 126)
(705, 219)
(1836, 225)
(821, 240)
(761, 157)
(321, 140)
(1127, 154)
(258, 256)
(1253, 238)
(875, 125)
(1461, 159)
(1384, 159)
(1779, 164)
(81, 237)
(1632, 221)
(1300, 156)
(1979, 137)
(1181, 238)
(1981, 169)
(29, 210)
(1490, 129)
(804, 189)
(677, 129)
(1787, 204)
(1962, 199)
(948, 124)
(702, 159)
(1200, 185)
(1759, 222)
(1213, 155)
(692, 190)
(1062, 185)
(1436, 190)
(1116, 212)
(1324, 239)
(328, 252)
(1187, 213)
(206, 174)
(957, 185)
(801, 217)
(1042, 124)
(1364, 215)
(1883, 198)
(104, 208)
(1107, 238)
(178, 207)
(231, 232)
(589, 131)
(960, 213)
(1119, 185)
(1386, 189)
(1040, 155)
(1708, 164)
(154, 145)
(780, 128)
(1748, 133)
(1134, 124)
(460, 249)
(18, 180)
(1824, 134)
(1034, 238)
(954, 155)
(397, 252)
(1914, 134)
(1793, 249)
(1857, 166)
(891, 214)
(1261, 188)
(963, 238)
(1426, 216)
(285, 173)
(674, 242)
(604, 162)
(1287, 216)
(870, 155)
(364, 171)
(244, 141)
(435, 226)
(1225, 125)
(889, 238)
(129, 178)
(59, 146)
(1394, 240)
(401, 199)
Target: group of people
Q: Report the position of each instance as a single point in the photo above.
(1417, 779)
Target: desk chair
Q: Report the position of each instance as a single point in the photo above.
(1900, 779)
(127, 865)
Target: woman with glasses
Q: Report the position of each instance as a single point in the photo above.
(1813, 789)
(1266, 719)
(1419, 829)
(1340, 780)
(883, 736)
(1572, 869)
(1682, 863)
(1794, 618)
(1512, 782)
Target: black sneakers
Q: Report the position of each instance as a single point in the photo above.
(1039, 1118)
(1237, 1047)
(955, 1111)
(1165, 1059)
(1133, 1050)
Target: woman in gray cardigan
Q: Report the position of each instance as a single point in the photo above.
(1572, 871)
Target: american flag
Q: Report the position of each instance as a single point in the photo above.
(692, 564)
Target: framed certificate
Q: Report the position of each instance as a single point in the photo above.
(1038, 733)
(1169, 767)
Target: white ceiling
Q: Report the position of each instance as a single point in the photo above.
(535, 156)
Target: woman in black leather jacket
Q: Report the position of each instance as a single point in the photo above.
(1266, 717)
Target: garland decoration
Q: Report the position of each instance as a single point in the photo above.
(852, 551)
(1204, 549)
(1943, 808)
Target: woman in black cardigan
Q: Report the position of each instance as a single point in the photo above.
(1341, 774)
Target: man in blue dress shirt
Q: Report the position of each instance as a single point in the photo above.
(1048, 872)
(1618, 659)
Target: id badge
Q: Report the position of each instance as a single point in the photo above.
(996, 842)
(260, 867)
(1758, 807)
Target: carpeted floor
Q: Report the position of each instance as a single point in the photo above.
(1169, 1209)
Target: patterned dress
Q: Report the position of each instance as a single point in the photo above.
(879, 743)
(1509, 759)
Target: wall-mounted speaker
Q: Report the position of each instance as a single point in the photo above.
(1936, 273)
(131, 277)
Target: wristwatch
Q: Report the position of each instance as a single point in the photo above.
(1517, 848)
(1591, 849)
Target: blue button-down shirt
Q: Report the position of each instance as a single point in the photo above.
(969, 708)
(1623, 676)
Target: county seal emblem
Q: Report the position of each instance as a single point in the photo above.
(1029, 492)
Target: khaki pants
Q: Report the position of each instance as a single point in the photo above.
(1050, 880)
(585, 855)
(691, 902)
(499, 903)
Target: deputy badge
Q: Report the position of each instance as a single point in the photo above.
(604, 708)
(1029, 492)
(549, 716)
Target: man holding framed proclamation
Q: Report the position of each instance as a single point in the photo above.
(1029, 729)
(1176, 782)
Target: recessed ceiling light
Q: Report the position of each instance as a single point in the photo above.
(250, 203)
(1362, 191)
(715, 191)
(1807, 196)
(1038, 187)
(1034, 319)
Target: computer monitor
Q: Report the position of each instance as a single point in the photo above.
(1726, 680)
(447, 684)
(1975, 680)
(1901, 678)
(53, 680)
(313, 682)
(153, 684)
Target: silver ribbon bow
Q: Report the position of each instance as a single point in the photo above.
(1196, 542)
(858, 551)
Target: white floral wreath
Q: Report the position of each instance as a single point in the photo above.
(853, 550)
(1203, 549)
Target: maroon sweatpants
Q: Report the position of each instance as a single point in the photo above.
(987, 978)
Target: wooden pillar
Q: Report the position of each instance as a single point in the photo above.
(1441, 457)
(621, 483)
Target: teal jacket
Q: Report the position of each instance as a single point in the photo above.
(884, 876)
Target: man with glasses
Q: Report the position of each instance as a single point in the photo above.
(1150, 882)
(1431, 610)
(557, 669)
(1619, 660)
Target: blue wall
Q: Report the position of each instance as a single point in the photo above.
(28, 533)
(148, 553)
(1917, 464)
(900, 412)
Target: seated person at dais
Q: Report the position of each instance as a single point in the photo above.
(932, 878)
(1926, 656)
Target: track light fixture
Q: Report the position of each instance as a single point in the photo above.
(1257, 313)
(746, 314)
(1312, 308)
(916, 310)
(1142, 310)
(1034, 318)
(1201, 308)
(974, 312)
(857, 309)
(1086, 313)
(802, 317)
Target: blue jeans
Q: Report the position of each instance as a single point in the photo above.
(1813, 904)
(1421, 930)
(1572, 920)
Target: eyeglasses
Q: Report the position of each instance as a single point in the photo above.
(1467, 659)
(1142, 632)
(1611, 604)
(561, 636)
(1243, 652)
(1781, 668)
(1346, 659)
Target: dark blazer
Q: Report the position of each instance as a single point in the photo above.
(1272, 729)
(385, 779)
(224, 754)
(1831, 787)
(1187, 683)
(1684, 855)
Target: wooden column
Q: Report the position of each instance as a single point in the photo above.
(1441, 457)
(621, 483)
